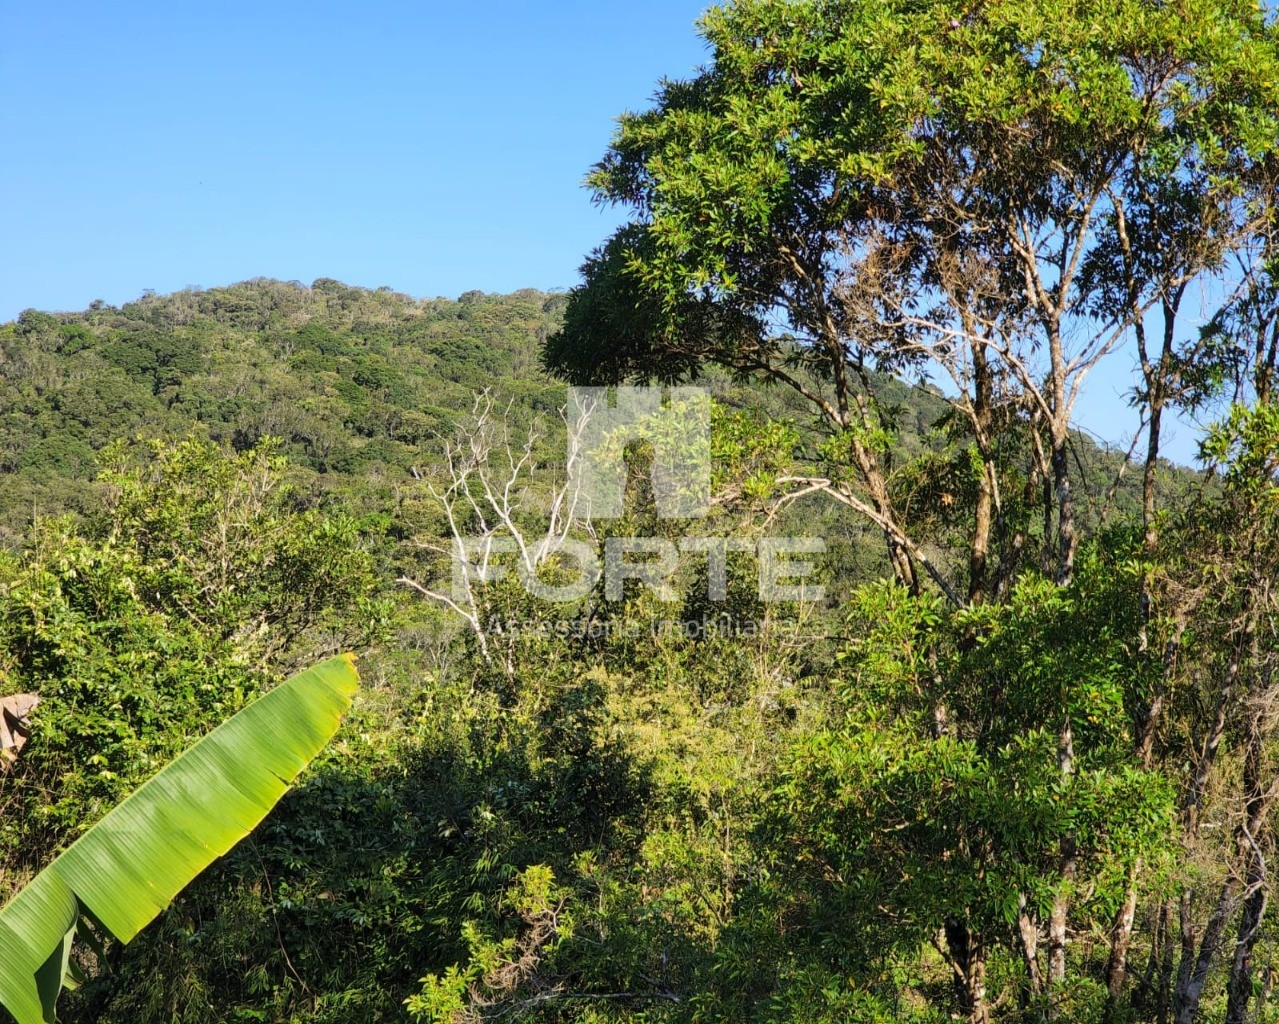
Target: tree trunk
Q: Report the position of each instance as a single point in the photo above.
(1152, 990)
(1239, 988)
(1058, 921)
(1253, 846)
(1148, 470)
(968, 960)
(1163, 997)
(1194, 968)
(1121, 930)
(979, 553)
(1067, 541)
(1028, 933)
(1249, 850)
(1121, 939)
(1059, 438)
(903, 569)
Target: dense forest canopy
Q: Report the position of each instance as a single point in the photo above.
(1016, 759)
(1005, 196)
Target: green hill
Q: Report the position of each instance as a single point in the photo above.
(462, 799)
(361, 386)
(354, 381)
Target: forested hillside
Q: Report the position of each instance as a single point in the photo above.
(856, 683)
(353, 381)
(209, 488)
(360, 387)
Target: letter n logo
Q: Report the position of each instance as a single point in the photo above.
(679, 431)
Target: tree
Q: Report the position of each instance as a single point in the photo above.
(1001, 198)
(850, 188)
(194, 584)
(902, 831)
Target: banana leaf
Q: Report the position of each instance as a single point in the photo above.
(129, 866)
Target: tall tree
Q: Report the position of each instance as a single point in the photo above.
(1002, 196)
(848, 189)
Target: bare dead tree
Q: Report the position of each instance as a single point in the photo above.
(483, 495)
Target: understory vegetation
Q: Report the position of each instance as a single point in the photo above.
(1012, 756)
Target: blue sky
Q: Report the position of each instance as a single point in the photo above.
(432, 147)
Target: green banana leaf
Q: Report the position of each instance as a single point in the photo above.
(129, 866)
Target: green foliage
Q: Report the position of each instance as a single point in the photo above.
(603, 819)
(352, 382)
(123, 871)
(813, 119)
(589, 813)
(222, 541)
(894, 827)
(167, 610)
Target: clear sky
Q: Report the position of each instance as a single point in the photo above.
(432, 147)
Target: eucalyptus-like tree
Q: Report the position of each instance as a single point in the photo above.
(993, 199)
(999, 196)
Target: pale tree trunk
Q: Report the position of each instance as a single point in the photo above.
(980, 553)
(1156, 980)
(1255, 847)
(983, 512)
(1028, 934)
(1059, 438)
(1163, 999)
(1058, 921)
(1239, 988)
(1186, 961)
(1121, 939)
(1067, 541)
(1194, 968)
(1194, 974)
(1190, 814)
